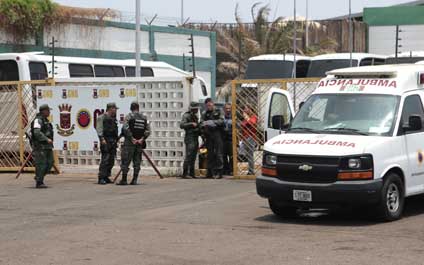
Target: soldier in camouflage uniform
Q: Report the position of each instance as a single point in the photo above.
(107, 130)
(42, 145)
(212, 123)
(190, 123)
(136, 129)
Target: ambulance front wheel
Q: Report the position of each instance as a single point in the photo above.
(282, 210)
(392, 198)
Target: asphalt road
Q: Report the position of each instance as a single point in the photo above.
(174, 221)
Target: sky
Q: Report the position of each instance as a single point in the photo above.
(168, 11)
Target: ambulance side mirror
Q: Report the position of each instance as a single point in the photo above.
(278, 122)
(415, 123)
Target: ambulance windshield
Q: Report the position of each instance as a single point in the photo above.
(357, 114)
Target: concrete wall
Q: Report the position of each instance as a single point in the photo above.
(114, 40)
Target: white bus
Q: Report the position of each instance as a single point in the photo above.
(276, 66)
(321, 64)
(37, 66)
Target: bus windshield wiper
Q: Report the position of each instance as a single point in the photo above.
(345, 129)
(303, 129)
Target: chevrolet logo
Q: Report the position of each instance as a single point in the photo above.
(305, 167)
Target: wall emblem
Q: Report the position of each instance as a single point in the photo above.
(83, 118)
(65, 128)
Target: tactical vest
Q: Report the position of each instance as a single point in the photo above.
(46, 128)
(137, 126)
(110, 127)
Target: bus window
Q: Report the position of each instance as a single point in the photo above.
(302, 68)
(37, 71)
(9, 71)
(366, 62)
(379, 61)
(80, 70)
(318, 68)
(108, 71)
(269, 69)
(145, 71)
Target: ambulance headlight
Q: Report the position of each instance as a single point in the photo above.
(354, 163)
(363, 162)
(270, 160)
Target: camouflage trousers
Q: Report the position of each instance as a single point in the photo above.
(131, 153)
(43, 163)
(191, 148)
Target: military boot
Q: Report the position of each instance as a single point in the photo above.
(102, 182)
(209, 174)
(218, 174)
(123, 181)
(40, 185)
(185, 173)
(192, 173)
(134, 180)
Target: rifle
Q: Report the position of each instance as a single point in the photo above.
(148, 159)
(29, 158)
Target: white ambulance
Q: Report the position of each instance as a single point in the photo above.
(357, 140)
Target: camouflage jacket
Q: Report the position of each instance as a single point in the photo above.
(41, 131)
(127, 130)
(187, 124)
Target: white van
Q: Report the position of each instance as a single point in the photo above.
(277, 66)
(37, 66)
(357, 140)
(321, 64)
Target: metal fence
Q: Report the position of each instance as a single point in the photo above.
(249, 105)
(17, 110)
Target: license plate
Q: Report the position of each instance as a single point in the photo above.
(302, 195)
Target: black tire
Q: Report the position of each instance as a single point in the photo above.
(282, 210)
(392, 199)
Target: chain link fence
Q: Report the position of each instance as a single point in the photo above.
(18, 108)
(250, 122)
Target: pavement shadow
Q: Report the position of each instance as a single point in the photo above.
(322, 218)
(414, 206)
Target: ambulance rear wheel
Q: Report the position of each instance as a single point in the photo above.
(392, 199)
(281, 209)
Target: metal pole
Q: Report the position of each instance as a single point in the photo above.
(397, 44)
(350, 32)
(294, 40)
(137, 38)
(182, 12)
(307, 25)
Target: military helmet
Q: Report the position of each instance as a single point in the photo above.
(194, 105)
(111, 105)
(134, 106)
(44, 107)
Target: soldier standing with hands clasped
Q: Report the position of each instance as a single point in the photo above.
(190, 123)
(107, 130)
(211, 123)
(42, 145)
(136, 129)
